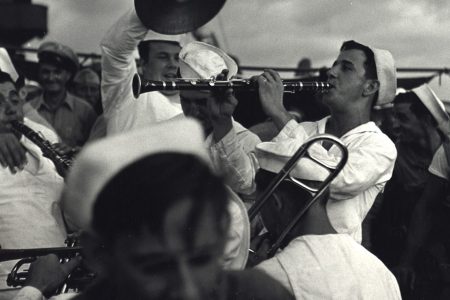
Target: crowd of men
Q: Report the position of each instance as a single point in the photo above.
(160, 186)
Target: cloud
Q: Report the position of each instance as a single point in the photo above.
(280, 33)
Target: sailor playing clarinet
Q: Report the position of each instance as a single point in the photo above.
(30, 216)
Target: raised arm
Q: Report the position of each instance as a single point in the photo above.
(118, 62)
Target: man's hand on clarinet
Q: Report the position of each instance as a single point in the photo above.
(221, 105)
(270, 89)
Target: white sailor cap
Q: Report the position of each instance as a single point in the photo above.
(434, 105)
(203, 61)
(386, 74)
(100, 161)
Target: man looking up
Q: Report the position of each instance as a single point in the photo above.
(69, 116)
(159, 60)
(360, 78)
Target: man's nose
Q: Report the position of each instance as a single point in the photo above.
(173, 62)
(52, 76)
(331, 73)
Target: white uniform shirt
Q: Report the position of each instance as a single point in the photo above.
(31, 293)
(439, 165)
(122, 111)
(370, 164)
(30, 215)
(331, 266)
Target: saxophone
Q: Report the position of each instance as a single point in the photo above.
(61, 162)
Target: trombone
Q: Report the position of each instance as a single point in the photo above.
(315, 192)
(78, 279)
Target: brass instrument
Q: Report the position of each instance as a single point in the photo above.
(62, 163)
(315, 192)
(141, 86)
(176, 16)
(78, 279)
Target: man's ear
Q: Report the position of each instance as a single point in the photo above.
(371, 87)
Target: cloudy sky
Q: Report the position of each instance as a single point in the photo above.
(279, 33)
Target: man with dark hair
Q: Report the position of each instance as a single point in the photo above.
(158, 60)
(354, 91)
(69, 116)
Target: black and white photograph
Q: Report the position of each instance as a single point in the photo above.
(224, 149)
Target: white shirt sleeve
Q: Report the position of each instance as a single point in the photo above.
(370, 162)
(439, 164)
(232, 155)
(118, 62)
(29, 293)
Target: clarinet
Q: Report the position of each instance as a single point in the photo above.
(62, 163)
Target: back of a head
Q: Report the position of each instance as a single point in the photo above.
(140, 195)
(287, 202)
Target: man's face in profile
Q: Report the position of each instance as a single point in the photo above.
(10, 103)
(180, 263)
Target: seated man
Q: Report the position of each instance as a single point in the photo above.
(315, 261)
(147, 239)
(30, 216)
(360, 78)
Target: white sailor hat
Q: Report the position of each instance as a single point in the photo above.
(434, 105)
(386, 74)
(100, 161)
(180, 39)
(203, 61)
(6, 64)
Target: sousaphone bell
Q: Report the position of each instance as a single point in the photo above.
(176, 16)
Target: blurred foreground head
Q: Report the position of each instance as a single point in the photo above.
(155, 214)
